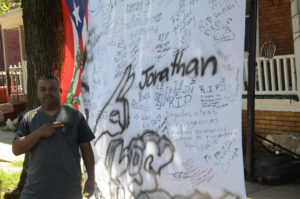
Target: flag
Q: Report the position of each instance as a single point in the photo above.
(75, 15)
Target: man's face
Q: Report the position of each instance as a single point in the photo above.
(49, 93)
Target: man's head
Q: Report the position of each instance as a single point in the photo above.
(48, 92)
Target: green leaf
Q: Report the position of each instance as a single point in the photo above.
(7, 5)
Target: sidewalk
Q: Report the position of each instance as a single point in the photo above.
(254, 190)
(6, 155)
(287, 191)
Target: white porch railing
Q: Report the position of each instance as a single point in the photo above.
(275, 76)
(13, 82)
(18, 78)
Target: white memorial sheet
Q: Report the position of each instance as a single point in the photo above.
(162, 93)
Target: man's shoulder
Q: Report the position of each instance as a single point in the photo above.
(69, 109)
(31, 113)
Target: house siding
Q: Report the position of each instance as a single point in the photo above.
(275, 24)
(272, 122)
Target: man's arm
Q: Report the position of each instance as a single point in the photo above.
(26, 143)
(89, 162)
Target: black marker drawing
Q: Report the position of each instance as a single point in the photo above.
(138, 162)
(85, 90)
(195, 67)
(134, 168)
(117, 107)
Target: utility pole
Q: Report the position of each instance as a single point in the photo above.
(251, 89)
(295, 11)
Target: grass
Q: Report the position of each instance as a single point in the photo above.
(17, 163)
(10, 176)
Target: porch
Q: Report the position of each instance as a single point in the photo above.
(13, 90)
(275, 77)
(277, 106)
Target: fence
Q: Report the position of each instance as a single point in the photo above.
(275, 76)
(13, 82)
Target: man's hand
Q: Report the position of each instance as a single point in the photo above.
(48, 130)
(26, 143)
(89, 162)
(89, 187)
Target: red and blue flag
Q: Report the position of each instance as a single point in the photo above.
(75, 15)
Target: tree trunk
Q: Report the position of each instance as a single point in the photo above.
(44, 39)
(43, 26)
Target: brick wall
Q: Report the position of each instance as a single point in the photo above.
(275, 24)
(272, 122)
(267, 122)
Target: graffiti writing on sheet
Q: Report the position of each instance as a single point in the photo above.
(161, 80)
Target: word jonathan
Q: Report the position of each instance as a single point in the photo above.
(151, 76)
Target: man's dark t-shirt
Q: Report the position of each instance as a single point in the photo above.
(54, 163)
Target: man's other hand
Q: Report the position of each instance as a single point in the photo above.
(48, 130)
(89, 188)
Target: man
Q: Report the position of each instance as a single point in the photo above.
(53, 134)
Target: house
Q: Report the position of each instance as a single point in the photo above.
(13, 75)
(277, 106)
(12, 39)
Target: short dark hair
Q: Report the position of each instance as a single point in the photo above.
(48, 77)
